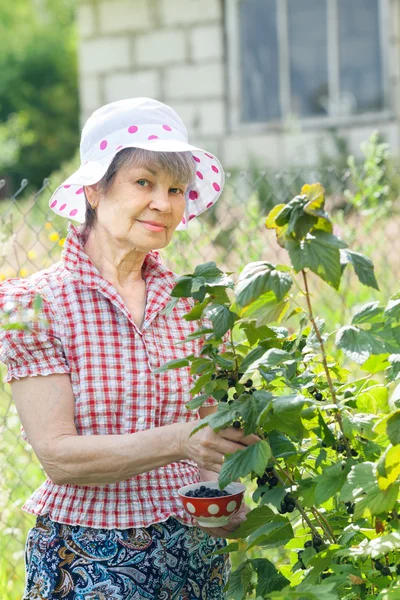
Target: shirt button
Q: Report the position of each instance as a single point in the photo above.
(141, 420)
(142, 376)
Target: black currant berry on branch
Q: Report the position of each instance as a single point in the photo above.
(317, 542)
(231, 382)
(287, 505)
(224, 398)
(248, 383)
(385, 571)
(318, 396)
(236, 424)
(325, 575)
(236, 395)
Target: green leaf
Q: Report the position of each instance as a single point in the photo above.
(197, 311)
(285, 416)
(239, 464)
(219, 420)
(281, 446)
(239, 581)
(183, 287)
(392, 309)
(362, 488)
(265, 309)
(172, 364)
(358, 344)
(250, 406)
(196, 402)
(271, 535)
(275, 357)
(368, 313)
(319, 251)
(374, 400)
(308, 555)
(193, 336)
(393, 428)
(260, 277)
(363, 267)
(222, 319)
(268, 578)
(209, 271)
(329, 483)
(255, 519)
(252, 357)
(327, 436)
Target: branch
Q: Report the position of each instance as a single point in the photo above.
(338, 415)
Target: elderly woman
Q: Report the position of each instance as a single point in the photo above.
(112, 436)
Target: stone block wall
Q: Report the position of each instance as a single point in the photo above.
(175, 51)
(171, 50)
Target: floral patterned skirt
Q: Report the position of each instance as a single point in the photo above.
(165, 561)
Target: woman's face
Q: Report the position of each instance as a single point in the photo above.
(140, 194)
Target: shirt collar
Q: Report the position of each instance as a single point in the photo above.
(80, 265)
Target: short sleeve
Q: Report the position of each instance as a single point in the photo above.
(37, 350)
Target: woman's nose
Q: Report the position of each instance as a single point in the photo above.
(161, 199)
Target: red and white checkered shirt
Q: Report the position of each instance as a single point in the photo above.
(91, 336)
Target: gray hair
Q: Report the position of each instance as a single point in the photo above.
(179, 165)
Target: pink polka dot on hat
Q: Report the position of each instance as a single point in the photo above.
(137, 123)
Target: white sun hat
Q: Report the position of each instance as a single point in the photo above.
(136, 123)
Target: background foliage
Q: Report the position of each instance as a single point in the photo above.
(39, 112)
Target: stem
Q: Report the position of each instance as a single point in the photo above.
(236, 357)
(338, 415)
(298, 505)
(326, 527)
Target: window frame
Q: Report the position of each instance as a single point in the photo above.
(234, 72)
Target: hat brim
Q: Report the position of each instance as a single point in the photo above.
(68, 199)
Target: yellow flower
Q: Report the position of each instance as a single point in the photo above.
(48, 225)
(23, 272)
(54, 237)
(31, 254)
(61, 242)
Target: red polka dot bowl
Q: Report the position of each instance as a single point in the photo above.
(213, 512)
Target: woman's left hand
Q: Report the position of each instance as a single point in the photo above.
(235, 522)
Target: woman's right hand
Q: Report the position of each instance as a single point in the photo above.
(207, 448)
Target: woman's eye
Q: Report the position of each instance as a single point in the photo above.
(142, 182)
(176, 190)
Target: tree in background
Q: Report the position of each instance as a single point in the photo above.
(39, 110)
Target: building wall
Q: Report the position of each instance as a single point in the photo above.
(175, 51)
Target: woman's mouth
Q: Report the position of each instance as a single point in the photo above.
(152, 227)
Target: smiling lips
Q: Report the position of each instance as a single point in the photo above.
(153, 226)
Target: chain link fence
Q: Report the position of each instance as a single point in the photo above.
(365, 214)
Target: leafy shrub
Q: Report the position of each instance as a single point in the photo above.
(327, 465)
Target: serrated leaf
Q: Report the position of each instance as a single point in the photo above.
(270, 222)
(391, 467)
(285, 416)
(254, 519)
(265, 309)
(222, 319)
(329, 483)
(260, 277)
(239, 581)
(393, 428)
(208, 270)
(242, 462)
(362, 488)
(319, 251)
(197, 311)
(368, 313)
(268, 578)
(271, 535)
(183, 287)
(392, 309)
(172, 364)
(274, 357)
(196, 402)
(358, 344)
(281, 446)
(374, 400)
(363, 267)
